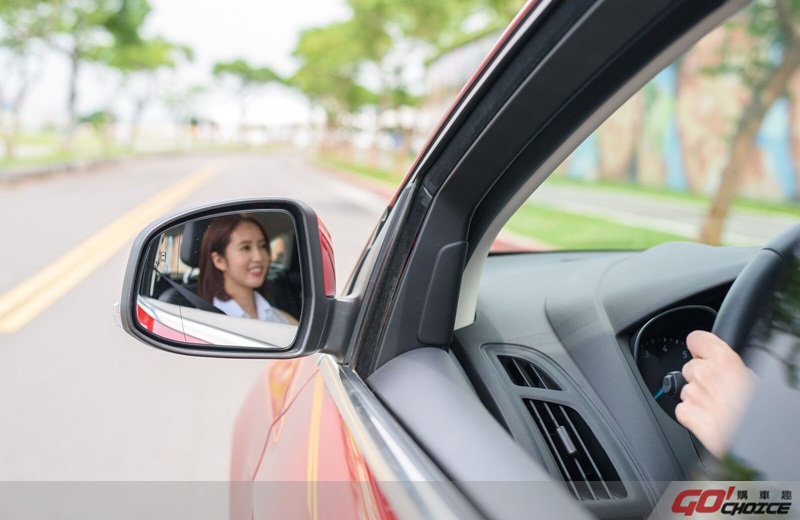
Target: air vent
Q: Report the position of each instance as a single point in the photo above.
(583, 462)
(524, 373)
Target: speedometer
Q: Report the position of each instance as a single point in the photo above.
(660, 347)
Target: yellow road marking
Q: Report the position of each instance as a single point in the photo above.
(312, 472)
(27, 300)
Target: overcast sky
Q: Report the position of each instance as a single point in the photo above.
(262, 32)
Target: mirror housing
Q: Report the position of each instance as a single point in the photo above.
(140, 316)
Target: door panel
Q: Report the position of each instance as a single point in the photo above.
(312, 467)
(278, 386)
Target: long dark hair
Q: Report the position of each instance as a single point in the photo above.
(215, 240)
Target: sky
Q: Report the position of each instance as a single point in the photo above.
(262, 32)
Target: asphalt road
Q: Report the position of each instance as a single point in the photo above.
(80, 399)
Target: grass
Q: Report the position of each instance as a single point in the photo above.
(384, 176)
(570, 231)
(42, 138)
(786, 208)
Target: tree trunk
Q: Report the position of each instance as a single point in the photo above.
(243, 120)
(772, 88)
(72, 122)
(12, 134)
(329, 138)
(136, 120)
(402, 152)
(140, 106)
(11, 138)
(107, 132)
(375, 150)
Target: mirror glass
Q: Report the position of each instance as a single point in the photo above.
(229, 280)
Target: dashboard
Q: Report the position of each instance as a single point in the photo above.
(568, 351)
(659, 347)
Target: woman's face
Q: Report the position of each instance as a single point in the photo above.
(246, 259)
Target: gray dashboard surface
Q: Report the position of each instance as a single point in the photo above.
(428, 394)
(643, 284)
(573, 307)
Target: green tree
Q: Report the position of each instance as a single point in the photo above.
(383, 50)
(773, 29)
(441, 24)
(139, 62)
(245, 81)
(365, 59)
(23, 24)
(330, 59)
(85, 30)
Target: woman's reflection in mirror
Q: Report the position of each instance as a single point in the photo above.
(234, 261)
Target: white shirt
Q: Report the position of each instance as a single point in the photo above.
(263, 309)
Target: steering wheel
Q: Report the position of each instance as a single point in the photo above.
(754, 288)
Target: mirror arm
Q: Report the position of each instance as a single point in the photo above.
(194, 299)
(341, 323)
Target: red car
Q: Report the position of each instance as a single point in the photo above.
(448, 382)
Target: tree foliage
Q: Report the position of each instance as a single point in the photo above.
(125, 22)
(23, 22)
(145, 55)
(86, 27)
(364, 60)
(330, 62)
(246, 77)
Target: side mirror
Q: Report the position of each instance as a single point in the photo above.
(251, 278)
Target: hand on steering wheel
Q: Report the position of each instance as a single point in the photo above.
(717, 388)
(718, 383)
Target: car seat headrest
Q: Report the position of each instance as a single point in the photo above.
(192, 238)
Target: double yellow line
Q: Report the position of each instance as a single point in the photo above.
(31, 297)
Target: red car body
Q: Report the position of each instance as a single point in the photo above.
(291, 435)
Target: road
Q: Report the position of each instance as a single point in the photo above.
(80, 399)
